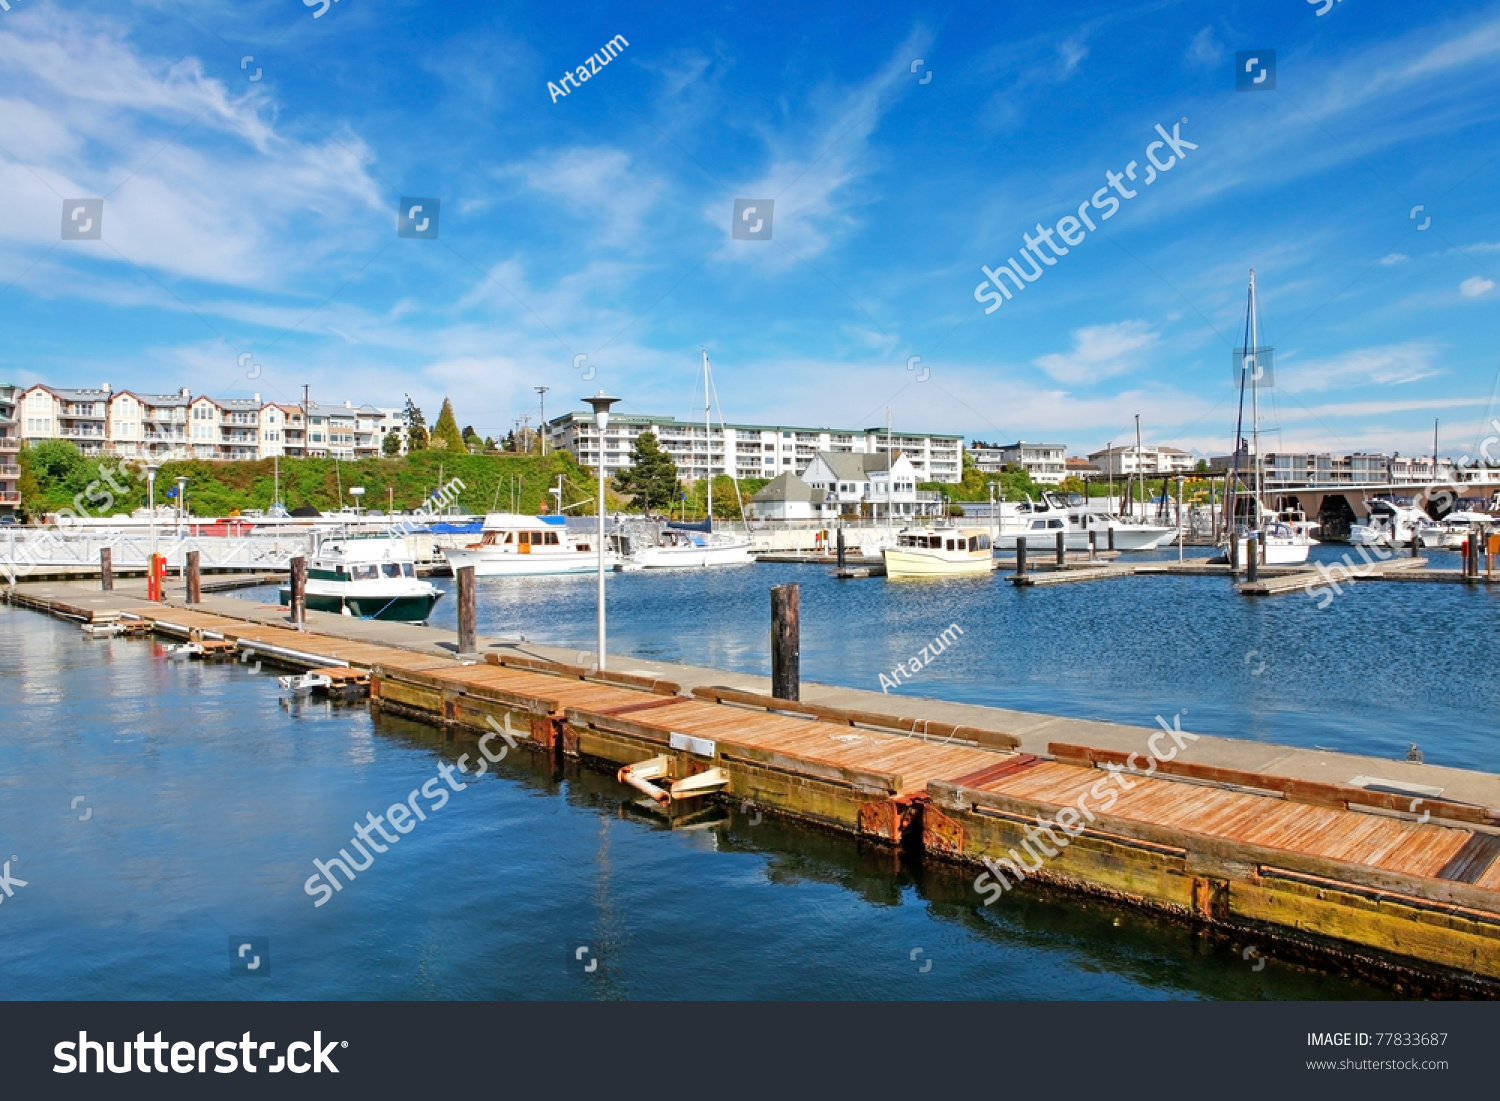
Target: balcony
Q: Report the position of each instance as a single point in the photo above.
(10, 443)
(9, 497)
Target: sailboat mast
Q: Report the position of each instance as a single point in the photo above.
(1141, 474)
(708, 440)
(1255, 397)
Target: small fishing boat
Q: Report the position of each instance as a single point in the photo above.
(369, 577)
(939, 552)
(1393, 522)
(677, 548)
(512, 545)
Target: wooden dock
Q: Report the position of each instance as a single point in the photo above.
(1305, 579)
(1385, 882)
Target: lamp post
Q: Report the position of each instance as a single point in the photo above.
(151, 503)
(542, 393)
(600, 403)
(181, 502)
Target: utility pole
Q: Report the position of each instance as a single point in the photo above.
(542, 393)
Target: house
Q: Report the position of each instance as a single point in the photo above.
(64, 413)
(867, 485)
(1118, 462)
(787, 497)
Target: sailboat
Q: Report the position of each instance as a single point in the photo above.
(679, 547)
(1279, 543)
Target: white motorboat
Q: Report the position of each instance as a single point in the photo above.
(511, 545)
(1452, 532)
(676, 548)
(1392, 522)
(1040, 521)
(939, 552)
(370, 577)
(1282, 545)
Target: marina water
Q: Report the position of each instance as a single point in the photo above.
(206, 795)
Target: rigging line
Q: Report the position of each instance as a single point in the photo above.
(724, 431)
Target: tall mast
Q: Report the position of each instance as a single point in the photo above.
(708, 440)
(1255, 397)
(1139, 473)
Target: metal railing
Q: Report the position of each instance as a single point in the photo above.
(24, 550)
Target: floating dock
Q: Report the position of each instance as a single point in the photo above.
(1396, 878)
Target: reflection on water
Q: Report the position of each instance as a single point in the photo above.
(208, 796)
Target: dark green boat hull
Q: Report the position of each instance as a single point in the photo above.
(406, 609)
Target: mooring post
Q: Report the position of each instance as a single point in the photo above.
(1093, 544)
(786, 642)
(841, 548)
(194, 579)
(467, 638)
(1111, 537)
(1062, 550)
(1021, 556)
(1252, 556)
(299, 591)
(1415, 541)
(106, 569)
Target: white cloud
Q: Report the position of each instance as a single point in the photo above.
(597, 184)
(1101, 351)
(1206, 50)
(196, 182)
(1476, 286)
(1394, 258)
(1385, 365)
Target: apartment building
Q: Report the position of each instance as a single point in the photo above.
(164, 427)
(63, 413)
(1046, 463)
(748, 450)
(10, 444)
(1119, 462)
(1288, 469)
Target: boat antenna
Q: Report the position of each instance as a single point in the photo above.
(1232, 489)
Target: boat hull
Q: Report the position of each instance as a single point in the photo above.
(914, 562)
(494, 563)
(661, 558)
(406, 608)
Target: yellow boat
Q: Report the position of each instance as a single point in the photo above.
(939, 552)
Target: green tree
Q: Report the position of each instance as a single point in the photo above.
(652, 475)
(416, 427)
(446, 429)
(390, 447)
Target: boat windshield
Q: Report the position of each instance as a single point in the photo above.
(391, 569)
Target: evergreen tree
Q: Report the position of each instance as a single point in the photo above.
(652, 476)
(446, 429)
(416, 427)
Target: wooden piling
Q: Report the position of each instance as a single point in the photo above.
(1252, 557)
(1021, 556)
(194, 578)
(841, 548)
(1062, 549)
(467, 636)
(786, 642)
(1093, 545)
(1415, 543)
(299, 591)
(106, 569)
(1111, 539)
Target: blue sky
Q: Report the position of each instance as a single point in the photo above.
(260, 215)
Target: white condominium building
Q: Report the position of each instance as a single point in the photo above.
(748, 450)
